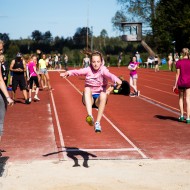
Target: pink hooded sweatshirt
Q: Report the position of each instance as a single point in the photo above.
(96, 79)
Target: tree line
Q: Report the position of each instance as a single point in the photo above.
(165, 29)
(72, 46)
(166, 22)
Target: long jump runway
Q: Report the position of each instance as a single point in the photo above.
(144, 127)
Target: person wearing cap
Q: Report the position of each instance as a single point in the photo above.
(4, 98)
(18, 67)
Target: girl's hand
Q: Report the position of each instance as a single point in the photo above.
(10, 101)
(174, 87)
(64, 75)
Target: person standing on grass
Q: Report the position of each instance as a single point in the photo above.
(170, 61)
(156, 68)
(182, 83)
(86, 61)
(119, 59)
(133, 76)
(66, 62)
(95, 94)
(4, 98)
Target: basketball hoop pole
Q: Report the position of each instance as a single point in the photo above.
(135, 35)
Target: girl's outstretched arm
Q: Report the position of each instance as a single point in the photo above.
(65, 74)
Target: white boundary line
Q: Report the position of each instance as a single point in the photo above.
(130, 142)
(62, 143)
(160, 104)
(101, 149)
(171, 93)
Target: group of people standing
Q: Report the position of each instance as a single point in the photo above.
(57, 61)
(29, 73)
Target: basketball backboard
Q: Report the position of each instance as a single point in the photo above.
(132, 32)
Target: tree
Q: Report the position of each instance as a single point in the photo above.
(12, 51)
(80, 38)
(37, 36)
(141, 10)
(171, 25)
(47, 37)
(117, 19)
(104, 35)
(4, 37)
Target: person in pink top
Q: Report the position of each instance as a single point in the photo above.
(182, 83)
(95, 92)
(133, 76)
(33, 78)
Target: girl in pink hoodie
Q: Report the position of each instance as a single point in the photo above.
(95, 94)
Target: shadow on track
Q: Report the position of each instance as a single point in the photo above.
(73, 153)
(3, 161)
(166, 117)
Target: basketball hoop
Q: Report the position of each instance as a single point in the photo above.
(132, 32)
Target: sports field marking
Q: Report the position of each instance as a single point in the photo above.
(163, 74)
(160, 104)
(58, 127)
(127, 139)
(101, 149)
(163, 84)
(171, 93)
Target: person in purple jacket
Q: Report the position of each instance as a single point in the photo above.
(182, 83)
(95, 92)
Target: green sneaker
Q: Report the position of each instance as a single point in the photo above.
(181, 118)
(90, 120)
(188, 121)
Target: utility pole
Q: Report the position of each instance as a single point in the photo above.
(87, 26)
(91, 38)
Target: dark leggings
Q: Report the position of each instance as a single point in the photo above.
(34, 79)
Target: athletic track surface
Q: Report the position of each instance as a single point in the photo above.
(144, 127)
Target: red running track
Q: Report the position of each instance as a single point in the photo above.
(132, 128)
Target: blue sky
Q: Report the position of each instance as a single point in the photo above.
(19, 18)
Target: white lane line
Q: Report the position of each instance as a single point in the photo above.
(62, 143)
(171, 93)
(160, 104)
(100, 149)
(132, 144)
(126, 138)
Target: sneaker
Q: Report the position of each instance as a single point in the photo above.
(132, 94)
(27, 101)
(97, 127)
(181, 118)
(30, 100)
(90, 120)
(188, 121)
(137, 93)
(36, 98)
